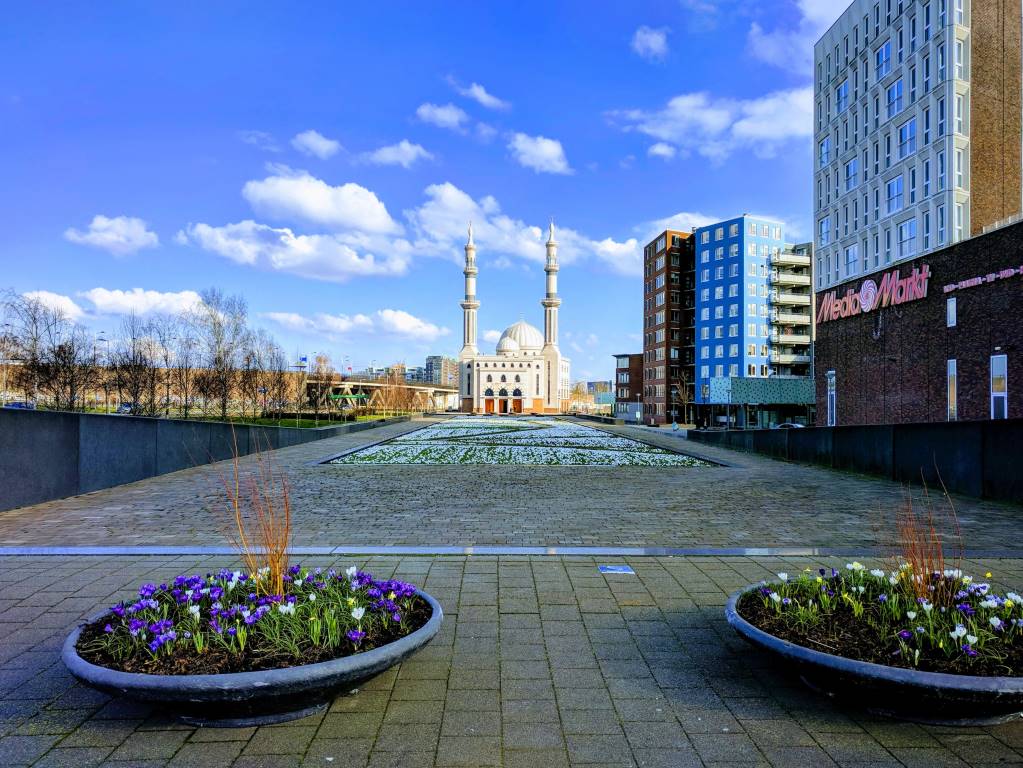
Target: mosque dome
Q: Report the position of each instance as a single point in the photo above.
(524, 336)
(507, 346)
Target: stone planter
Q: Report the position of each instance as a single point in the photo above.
(906, 694)
(240, 699)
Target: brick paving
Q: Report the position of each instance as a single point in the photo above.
(541, 661)
(754, 502)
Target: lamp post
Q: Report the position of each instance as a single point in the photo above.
(5, 361)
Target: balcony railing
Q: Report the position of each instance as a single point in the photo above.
(781, 277)
(779, 317)
(795, 299)
(789, 259)
(787, 358)
(790, 338)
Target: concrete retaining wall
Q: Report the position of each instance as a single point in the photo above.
(974, 458)
(47, 455)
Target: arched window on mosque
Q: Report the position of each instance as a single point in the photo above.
(489, 378)
(517, 393)
(489, 392)
(503, 378)
(503, 393)
(517, 378)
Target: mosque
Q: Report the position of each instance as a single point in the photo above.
(527, 373)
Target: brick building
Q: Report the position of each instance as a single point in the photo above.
(628, 385)
(669, 326)
(933, 339)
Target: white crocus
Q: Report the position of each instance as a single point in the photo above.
(194, 610)
(877, 573)
(988, 604)
(910, 615)
(783, 576)
(995, 622)
(358, 613)
(312, 597)
(350, 573)
(971, 639)
(958, 632)
(287, 609)
(776, 597)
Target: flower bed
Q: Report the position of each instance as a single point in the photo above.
(532, 441)
(944, 622)
(230, 622)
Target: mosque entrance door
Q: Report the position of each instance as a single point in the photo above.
(488, 405)
(503, 405)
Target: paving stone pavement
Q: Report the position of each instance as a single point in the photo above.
(541, 661)
(753, 502)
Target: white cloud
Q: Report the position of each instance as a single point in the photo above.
(791, 48)
(717, 127)
(404, 153)
(447, 116)
(439, 228)
(650, 43)
(662, 150)
(64, 304)
(479, 94)
(492, 336)
(141, 302)
(120, 235)
(334, 258)
(296, 194)
(684, 221)
(485, 132)
(259, 139)
(395, 323)
(541, 154)
(315, 144)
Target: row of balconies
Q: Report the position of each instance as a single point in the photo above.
(786, 298)
(789, 259)
(789, 337)
(789, 358)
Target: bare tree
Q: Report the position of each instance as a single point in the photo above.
(134, 365)
(324, 377)
(681, 395)
(163, 330)
(68, 365)
(220, 323)
(276, 379)
(184, 364)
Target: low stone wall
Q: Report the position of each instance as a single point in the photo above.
(974, 458)
(46, 455)
(601, 419)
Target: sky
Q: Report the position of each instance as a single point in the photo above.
(323, 159)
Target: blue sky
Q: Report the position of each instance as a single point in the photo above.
(322, 160)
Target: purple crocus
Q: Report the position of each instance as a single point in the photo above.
(356, 636)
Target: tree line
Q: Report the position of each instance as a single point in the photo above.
(205, 361)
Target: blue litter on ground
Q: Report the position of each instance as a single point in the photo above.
(615, 569)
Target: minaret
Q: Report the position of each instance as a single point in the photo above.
(470, 305)
(551, 302)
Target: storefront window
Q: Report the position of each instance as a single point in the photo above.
(831, 398)
(953, 399)
(999, 387)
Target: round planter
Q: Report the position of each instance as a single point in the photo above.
(238, 699)
(907, 694)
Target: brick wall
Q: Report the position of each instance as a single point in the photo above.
(996, 84)
(890, 363)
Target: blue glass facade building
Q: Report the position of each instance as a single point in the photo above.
(733, 290)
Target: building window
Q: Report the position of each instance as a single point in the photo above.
(960, 223)
(940, 216)
(907, 138)
(895, 98)
(894, 189)
(950, 312)
(884, 60)
(851, 175)
(831, 398)
(999, 387)
(842, 97)
(907, 239)
(953, 389)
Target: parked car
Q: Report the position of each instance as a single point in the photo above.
(790, 425)
(125, 409)
(25, 405)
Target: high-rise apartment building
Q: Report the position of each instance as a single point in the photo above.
(669, 307)
(442, 370)
(628, 385)
(917, 128)
(733, 327)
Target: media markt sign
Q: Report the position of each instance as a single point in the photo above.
(893, 290)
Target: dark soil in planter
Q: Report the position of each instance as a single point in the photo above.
(255, 658)
(841, 634)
